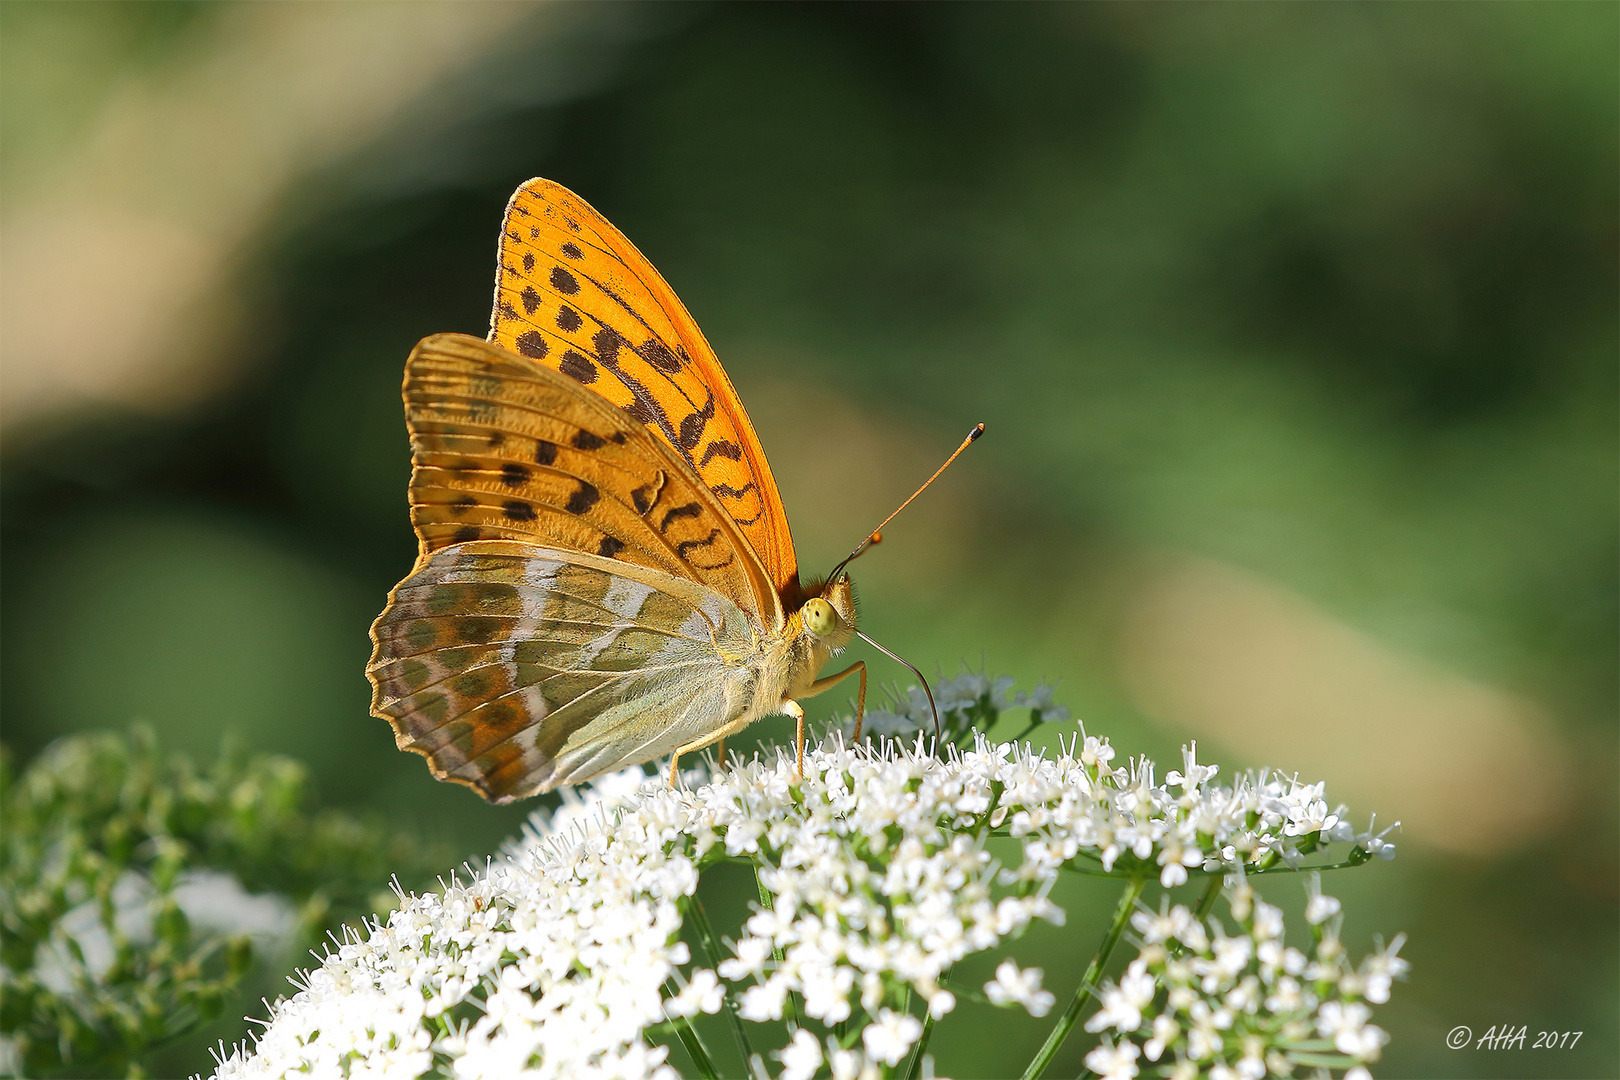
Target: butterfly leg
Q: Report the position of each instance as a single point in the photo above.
(674, 767)
(720, 751)
(794, 709)
(831, 681)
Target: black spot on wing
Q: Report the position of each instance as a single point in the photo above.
(583, 499)
(563, 281)
(530, 298)
(545, 453)
(568, 319)
(577, 366)
(466, 533)
(692, 426)
(571, 250)
(610, 547)
(657, 354)
(675, 513)
(607, 342)
(496, 438)
(720, 448)
(514, 475)
(517, 510)
(687, 545)
(642, 498)
(462, 504)
(585, 440)
(729, 492)
(530, 343)
(528, 262)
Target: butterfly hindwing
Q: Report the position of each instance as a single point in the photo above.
(505, 449)
(514, 668)
(572, 293)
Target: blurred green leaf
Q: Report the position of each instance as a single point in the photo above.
(105, 833)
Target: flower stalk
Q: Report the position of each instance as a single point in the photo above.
(713, 954)
(1088, 981)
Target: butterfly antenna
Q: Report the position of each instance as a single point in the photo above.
(902, 660)
(876, 535)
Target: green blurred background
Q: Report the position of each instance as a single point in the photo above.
(1294, 329)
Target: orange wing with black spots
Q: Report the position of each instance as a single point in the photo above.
(503, 448)
(573, 294)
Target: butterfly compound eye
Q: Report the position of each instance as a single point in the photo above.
(819, 617)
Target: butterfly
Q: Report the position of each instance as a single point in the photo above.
(605, 573)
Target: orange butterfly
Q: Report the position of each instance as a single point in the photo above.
(606, 574)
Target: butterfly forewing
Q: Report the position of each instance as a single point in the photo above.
(504, 448)
(572, 293)
(513, 668)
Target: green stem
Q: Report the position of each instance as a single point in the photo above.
(914, 1069)
(1284, 868)
(1322, 1061)
(1088, 981)
(1212, 892)
(694, 1043)
(711, 952)
(795, 1009)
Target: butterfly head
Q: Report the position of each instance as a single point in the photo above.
(828, 617)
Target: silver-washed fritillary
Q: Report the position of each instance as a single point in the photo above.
(606, 574)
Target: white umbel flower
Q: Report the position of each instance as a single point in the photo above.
(1123, 1004)
(801, 1057)
(565, 957)
(890, 1037)
(1114, 1062)
(1243, 1005)
(1015, 987)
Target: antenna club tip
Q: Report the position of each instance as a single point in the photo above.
(875, 538)
(976, 432)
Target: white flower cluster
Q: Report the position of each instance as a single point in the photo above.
(549, 968)
(1243, 1006)
(565, 958)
